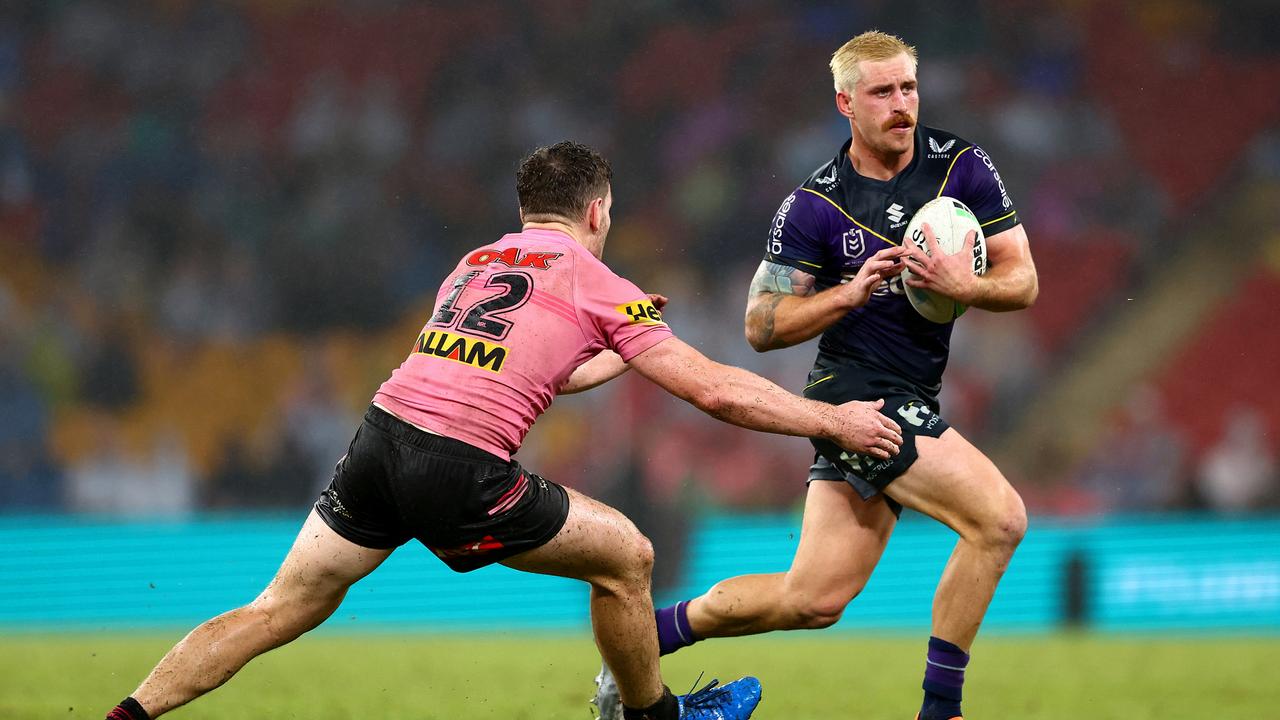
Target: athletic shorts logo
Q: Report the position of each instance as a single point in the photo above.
(460, 348)
(918, 415)
(641, 312)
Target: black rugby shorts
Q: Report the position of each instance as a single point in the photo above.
(915, 412)
(469, 507)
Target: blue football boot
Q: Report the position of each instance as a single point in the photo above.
(735, 701)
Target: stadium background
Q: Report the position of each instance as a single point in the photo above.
(222, 224)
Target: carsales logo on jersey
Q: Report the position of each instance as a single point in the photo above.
(779, 222)
(512, 257)
(1004, 194)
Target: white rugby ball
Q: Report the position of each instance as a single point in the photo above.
(950, 221)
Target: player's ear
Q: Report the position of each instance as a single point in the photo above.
(844, 104)
(595, 215)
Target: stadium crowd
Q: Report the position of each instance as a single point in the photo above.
(221, 225)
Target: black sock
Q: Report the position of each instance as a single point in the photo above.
(128, 709)
(665, 709)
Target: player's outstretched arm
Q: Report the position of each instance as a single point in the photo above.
(745, 399)
(783, 307)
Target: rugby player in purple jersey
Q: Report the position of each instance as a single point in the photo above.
(852, 212)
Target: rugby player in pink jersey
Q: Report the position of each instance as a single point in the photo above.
(516, 323)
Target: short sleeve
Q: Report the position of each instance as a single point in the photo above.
(795, 237)
(618, 313)
(985, 193)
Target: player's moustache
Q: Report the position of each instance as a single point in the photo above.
(898, 119)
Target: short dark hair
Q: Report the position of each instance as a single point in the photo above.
(562, 180)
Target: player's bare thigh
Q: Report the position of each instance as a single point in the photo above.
(841, 541)
(596, 542)
(321, 565)
(954, 482)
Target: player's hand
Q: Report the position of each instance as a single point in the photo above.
(864, 430)
(949, 275)
(659, 301)
(880, 267)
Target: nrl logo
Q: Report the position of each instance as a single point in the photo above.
(937, 150)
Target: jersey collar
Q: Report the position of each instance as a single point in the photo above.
(851, 176)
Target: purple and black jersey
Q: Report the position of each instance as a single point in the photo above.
(837, 219)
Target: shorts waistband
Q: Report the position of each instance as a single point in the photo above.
(403, 432)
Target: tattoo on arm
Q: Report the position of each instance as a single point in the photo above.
(774, 277)
(774, 282)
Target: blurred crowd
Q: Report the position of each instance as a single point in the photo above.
(222, 223)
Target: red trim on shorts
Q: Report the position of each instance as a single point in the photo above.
(512, 496)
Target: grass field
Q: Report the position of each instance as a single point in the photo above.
(819, 676)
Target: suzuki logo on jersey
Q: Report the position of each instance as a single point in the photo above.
(895, 213)
(641, 312)
(940, 151)
(918, 415)
(511, 257)
(460, 348)
(854, 243)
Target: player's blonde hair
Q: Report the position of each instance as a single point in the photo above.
(871, 45)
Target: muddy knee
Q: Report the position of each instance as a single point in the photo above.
(632, 567)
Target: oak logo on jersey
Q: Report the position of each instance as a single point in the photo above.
(641, 312)
(460, 348)
(512, 257)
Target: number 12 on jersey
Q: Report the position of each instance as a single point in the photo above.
(485, 317)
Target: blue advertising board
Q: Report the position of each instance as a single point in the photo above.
(1127, 574)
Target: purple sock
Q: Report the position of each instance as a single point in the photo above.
(674, 631)
(943, 680)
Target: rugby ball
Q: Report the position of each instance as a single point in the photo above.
(950, 221)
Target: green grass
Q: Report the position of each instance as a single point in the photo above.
(809, 675)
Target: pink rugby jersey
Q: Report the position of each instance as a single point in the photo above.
(511, 323)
